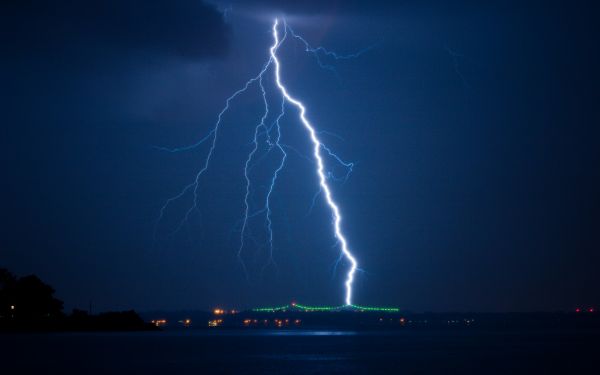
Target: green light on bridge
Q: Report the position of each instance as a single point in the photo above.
(326, 308)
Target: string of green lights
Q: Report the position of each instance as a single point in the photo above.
(296, 306)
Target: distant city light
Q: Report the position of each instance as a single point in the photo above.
(215, 322)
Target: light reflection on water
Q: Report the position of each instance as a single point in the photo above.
(256, 332)
(309, 333)
(298, 351)
(300, 357)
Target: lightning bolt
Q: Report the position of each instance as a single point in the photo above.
(268, 137)
(212, 135)
(337, 217)
(272, 185)
(318, 51)
(260, 125)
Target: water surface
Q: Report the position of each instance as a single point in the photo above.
(301, 352)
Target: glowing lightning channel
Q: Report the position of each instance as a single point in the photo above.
(214, 132)
(273, 142)
(275, 175)
(260, 125)
(317, 51)
(320, 166)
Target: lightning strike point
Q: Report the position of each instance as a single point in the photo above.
(320, 165)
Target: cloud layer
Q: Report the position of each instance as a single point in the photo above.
(182, 28)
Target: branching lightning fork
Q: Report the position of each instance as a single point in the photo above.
(322, 51)
(272, 142)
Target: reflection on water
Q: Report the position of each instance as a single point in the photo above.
(308, 333)
(248, 332)
(301, 352)
(300, 357)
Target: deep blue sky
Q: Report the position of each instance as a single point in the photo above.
(474, 129)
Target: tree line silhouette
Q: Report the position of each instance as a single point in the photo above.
(28, 304)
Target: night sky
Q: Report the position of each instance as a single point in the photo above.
(474, 128)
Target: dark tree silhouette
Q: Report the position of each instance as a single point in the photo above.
(6, 278)
(7, 284)
(28, 304)
(27, 298)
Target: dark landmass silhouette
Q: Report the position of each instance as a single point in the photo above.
(27, 304)
(357, 320)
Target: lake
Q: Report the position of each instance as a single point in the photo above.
(302, 352)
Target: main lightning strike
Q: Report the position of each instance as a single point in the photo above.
(320, 167)
(273, 143)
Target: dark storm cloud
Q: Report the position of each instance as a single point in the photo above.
(181, 28)
(317, 6)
